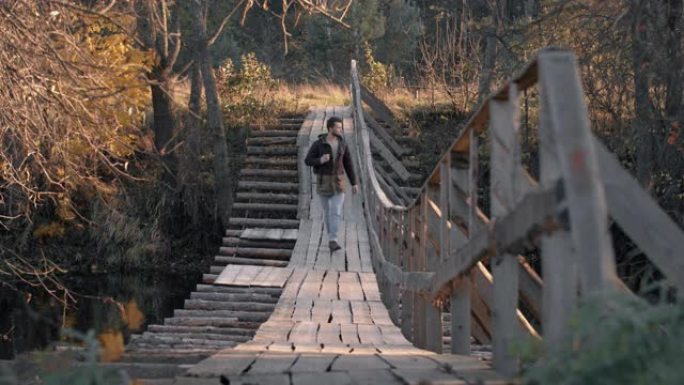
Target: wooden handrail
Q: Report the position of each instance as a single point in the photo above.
(429, 251)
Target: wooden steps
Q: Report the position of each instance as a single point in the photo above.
(242, 242)
(273, 133)
(391, 147)
(215, 317)
(244, 186)
(221, 260)
(266, 197)
(263, 222)
(275, 162)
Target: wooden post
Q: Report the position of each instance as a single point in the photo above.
(420, 258)
(407, 257)
(567, 111)
(558, 258)
(433, 314)
(505, 175)
(393, 257)
(461, 293)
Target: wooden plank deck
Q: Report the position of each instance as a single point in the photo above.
(330, 325)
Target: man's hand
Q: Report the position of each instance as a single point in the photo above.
(325, 158)
(355, 189)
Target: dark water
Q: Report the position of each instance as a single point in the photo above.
(32, 319)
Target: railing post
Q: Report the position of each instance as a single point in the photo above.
(433, 314)
(558, 257)
(460, 295)
(407, 297)
(419, 305)
(568, 117)
(505, 177)
(393, 257)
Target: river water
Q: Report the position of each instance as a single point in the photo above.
(33, 319)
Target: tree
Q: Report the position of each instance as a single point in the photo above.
(203, 65)
(74, 95)
(158, 29)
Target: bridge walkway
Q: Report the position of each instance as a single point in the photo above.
(330, 325)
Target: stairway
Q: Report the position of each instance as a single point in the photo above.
(217, 316)
(408, 157)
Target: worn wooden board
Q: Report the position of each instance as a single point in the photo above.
(350, 287)
(304, 332)
(393, 162)
(341, 312)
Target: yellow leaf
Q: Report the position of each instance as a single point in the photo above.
(133, 317)
(112, 343)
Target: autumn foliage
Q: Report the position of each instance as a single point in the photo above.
(73, 100)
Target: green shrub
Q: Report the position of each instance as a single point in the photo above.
(621, 340)
(377, 76)
(248, 92)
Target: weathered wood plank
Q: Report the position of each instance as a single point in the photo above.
(560, 86)
(322, 310)
(312, 363)
(304, 332)
(349, 334)
(370, 334)
(370, 286)
(350, 287)
(394, 163)
(384, 135)
(641, 218)
(341, 312)
(329, 288)
(228, 275)
(361, 312)
(272, 363)
(559, 261)
(505, 195)
(329, 333)
(378, 107)
(352, 248)
(302, 310)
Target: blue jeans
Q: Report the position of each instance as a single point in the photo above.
(332, 213)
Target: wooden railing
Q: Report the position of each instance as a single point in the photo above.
(430, 252)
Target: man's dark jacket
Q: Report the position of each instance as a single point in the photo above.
(342, 164)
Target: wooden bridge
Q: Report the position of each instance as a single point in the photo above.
(373, 312)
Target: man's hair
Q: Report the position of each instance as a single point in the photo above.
(331, 122)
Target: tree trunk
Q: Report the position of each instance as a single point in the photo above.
(642, 103)
(163, 114)
(223, 183)
(195, 87)
(152, 37)
(328, 34)
(673, 102)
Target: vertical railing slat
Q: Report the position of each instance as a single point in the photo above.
(560, 82)
(558, 258)
(505, 165)
(407, 297)
(433, 314)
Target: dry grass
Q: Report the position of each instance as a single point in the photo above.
(289, 99)
(402, 101)
(298, 98)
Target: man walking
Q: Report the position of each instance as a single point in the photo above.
(330, 158)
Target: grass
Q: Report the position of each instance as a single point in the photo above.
(298, 98)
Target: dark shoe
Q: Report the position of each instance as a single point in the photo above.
(334, 246)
